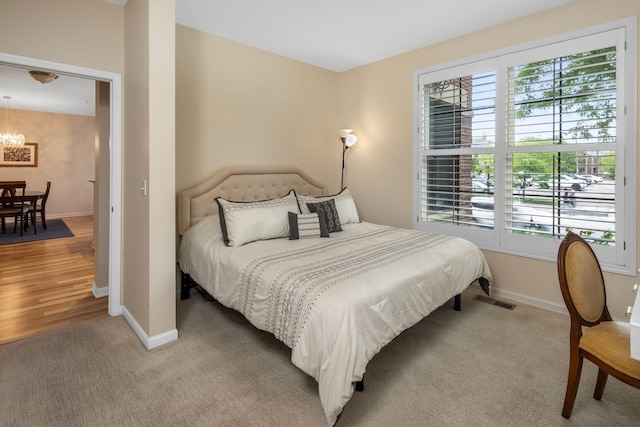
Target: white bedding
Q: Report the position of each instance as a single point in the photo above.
(334, 301)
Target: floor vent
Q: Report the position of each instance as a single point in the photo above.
(494, 302)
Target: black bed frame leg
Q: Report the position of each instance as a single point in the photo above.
(185, 285)
(457, 301)
(360, 385)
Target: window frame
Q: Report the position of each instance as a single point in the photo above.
(620, 258)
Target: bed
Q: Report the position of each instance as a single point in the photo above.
(336, 300)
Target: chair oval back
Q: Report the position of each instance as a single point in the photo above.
(8, 195)
(10, 189)
(581, 280)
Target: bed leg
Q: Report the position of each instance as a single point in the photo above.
(360, 385)
(185, 285)
(484, 284)
(457, 301)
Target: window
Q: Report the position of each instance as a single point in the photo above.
(515, 149)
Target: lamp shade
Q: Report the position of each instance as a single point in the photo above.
(350, 140)
(342, 133)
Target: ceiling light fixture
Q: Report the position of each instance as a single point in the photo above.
(10, 139)
(43, 76)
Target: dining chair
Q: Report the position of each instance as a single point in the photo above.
(12, 204)
(39, 207)
(593, 334)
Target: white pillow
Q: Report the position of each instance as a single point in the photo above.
(244, 222)
(346, 207)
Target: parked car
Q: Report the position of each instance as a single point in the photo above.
(587, 178)
(566, 182)
(594, 178)
(480, 187)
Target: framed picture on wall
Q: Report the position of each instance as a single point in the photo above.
(21, 156)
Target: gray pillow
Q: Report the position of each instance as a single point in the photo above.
(330, 214)
(306, 226)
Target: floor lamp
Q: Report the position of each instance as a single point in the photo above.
(348, 139)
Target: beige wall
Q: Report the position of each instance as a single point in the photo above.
(86, 33)
(238, 105)
(162, 177)
(91, 33)
(65, 157)
(377, 101)
(149, 220)
(135, 153)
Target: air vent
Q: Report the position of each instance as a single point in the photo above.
(494, 302)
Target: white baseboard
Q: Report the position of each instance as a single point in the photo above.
(99, 292)
(558, 308)
(149, 342)
(68, 214)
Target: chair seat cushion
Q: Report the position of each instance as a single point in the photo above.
(8, 212)
(610, 342)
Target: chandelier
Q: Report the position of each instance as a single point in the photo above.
(10, 139)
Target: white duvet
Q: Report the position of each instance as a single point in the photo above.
(334, 301)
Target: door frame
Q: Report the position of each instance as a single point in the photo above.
(115, 163)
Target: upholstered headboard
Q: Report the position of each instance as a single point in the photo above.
(242, 183)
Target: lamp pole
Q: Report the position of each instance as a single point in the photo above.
(348, 139)
(344, 150)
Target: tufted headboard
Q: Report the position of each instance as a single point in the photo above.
(242, 183)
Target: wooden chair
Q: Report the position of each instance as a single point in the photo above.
(603, 341)
(39, 207)
(12, 204)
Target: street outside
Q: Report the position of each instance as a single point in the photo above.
(591, 209)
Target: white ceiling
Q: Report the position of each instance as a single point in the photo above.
(342, 34)
(66, 94)
(333, 34)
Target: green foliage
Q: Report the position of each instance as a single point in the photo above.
(608, 164)
(540, 166)
(573, 84)
(606, 239)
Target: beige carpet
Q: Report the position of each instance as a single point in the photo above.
(484, 366)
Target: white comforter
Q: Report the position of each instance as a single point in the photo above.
(334, 301)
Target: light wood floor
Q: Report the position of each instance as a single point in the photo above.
(46, 285)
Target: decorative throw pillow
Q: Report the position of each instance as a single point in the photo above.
(244, 222)
(345, 205)
(305, 226)
(330, 214)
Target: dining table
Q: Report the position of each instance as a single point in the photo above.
(30, 197)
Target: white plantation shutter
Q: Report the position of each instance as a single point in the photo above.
(561, 128)
(457, 130)
(514, 150)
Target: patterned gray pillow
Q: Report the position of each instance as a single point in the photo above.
(330, 214)
(345, 205)
(306, 226)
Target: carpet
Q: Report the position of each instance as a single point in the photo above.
(56, 228)
(482, 366)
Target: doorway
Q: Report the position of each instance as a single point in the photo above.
(113, 255)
